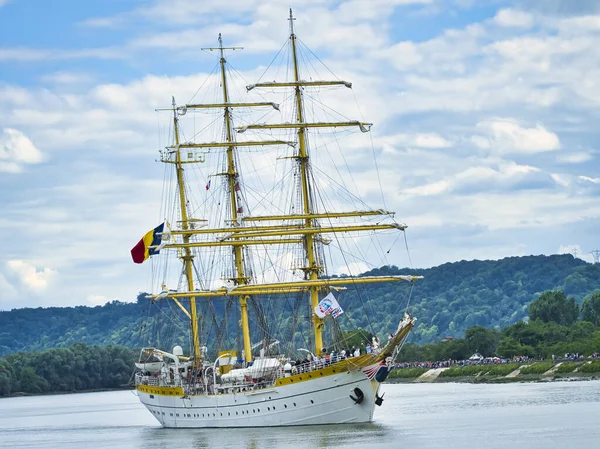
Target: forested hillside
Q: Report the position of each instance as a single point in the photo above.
(452, 298)
(456, 296)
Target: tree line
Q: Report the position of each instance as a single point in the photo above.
(556, 325)
(76, 368)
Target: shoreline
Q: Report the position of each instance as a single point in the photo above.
(489, 377)
(495, 379)
(21, 394)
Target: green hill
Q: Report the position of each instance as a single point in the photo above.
(452, 298)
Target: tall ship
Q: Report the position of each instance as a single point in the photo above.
(252, 329)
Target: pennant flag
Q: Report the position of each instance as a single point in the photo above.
(141, 251)
(240, 210)
(208, 185)
(236, 186)
(328, 306)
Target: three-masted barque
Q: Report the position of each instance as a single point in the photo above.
(223, 379)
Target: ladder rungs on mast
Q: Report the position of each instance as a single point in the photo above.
(325, 230)
(300, 83)
(229, 243)
(289, 287)
(183, 109)
(231, 144)
(364, 127)
(357, 213)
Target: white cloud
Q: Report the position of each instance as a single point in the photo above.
(353, 269)
(98, 300)
(575, 158)
(513, 18)
(507, 136)
(581, 24)
(416, 140)
(24, 54)
(17, 149)
(498, 176)
(29, 276)
(63, 77)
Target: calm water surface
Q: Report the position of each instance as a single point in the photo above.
(449, 416)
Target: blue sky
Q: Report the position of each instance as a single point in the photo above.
(485, 119)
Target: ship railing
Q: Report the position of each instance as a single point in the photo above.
(142, 379)
(313, 365)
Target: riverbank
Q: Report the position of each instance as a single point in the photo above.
(18, 394)
(503, 373)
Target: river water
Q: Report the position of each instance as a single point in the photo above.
(448, 415)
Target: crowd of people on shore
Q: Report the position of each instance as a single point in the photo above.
(449, 363)
(489, 361)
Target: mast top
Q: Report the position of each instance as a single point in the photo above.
(291, 19)
(221, 48)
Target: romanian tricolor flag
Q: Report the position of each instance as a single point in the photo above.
(141, 251)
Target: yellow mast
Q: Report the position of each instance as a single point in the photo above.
(187, 256)
(312, 269)
(233, 182)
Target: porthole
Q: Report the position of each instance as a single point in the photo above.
(268, 409)
(253, 411)
(236, 413)
(284, 405)
(258, 410)
(312, 402)
(228, 414)
(294, 404)
(273, 407)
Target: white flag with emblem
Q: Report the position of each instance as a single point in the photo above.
(328, 306)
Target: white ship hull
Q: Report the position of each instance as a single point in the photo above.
(325, 400)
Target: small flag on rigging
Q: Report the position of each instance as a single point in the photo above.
(236, 186)
(328, 306)
(152, 238)
(208, 185)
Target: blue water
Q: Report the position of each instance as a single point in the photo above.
(540, 415)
